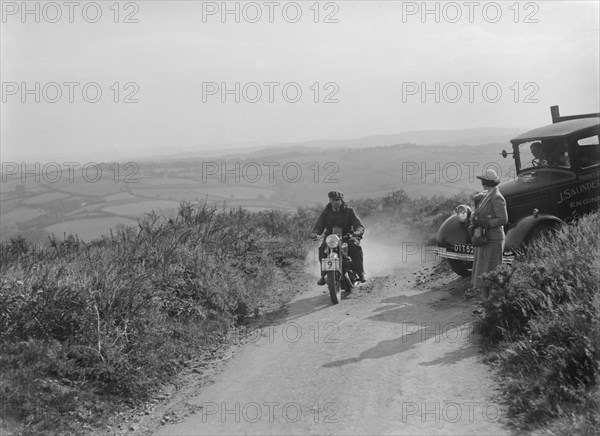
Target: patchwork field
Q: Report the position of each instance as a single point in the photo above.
(44, 198)
(20, 214)
(88, 229)
(141, 207)
(267, 179)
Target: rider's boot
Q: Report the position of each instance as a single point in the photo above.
(361, 277)
(321, 281)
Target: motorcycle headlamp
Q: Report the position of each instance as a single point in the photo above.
(332, 241)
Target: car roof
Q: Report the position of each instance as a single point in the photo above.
(559, 129)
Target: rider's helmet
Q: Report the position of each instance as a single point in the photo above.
(336, 195)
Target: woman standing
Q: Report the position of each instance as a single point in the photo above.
(490, 214)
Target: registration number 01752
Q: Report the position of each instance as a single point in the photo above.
(463, 248)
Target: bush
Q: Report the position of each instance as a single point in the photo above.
(113, 319)
(545, 317)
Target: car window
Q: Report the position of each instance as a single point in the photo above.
(544, 153)
(588, 151)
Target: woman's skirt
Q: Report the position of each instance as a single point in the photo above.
(486, 258)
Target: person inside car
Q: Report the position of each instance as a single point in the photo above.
(539, 154)
(338, 214)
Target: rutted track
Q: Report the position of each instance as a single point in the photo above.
(395, 357)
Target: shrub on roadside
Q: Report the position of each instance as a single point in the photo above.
(111, 320)
(545, 321)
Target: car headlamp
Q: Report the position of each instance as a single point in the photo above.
(463, 213)
(332, 241)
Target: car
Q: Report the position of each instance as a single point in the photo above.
(557, 180)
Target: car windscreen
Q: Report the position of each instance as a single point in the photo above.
(544, 153)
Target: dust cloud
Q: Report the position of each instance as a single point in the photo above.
(388, 248)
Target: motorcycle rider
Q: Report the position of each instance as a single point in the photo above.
(338, 214)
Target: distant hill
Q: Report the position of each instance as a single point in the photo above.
(452, 138)
(477, 136)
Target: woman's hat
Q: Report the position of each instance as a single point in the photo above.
(490, 176)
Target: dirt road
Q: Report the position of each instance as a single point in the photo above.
(395, 357)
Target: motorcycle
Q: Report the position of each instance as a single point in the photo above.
(338, 266)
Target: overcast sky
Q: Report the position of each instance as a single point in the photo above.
(372, 61)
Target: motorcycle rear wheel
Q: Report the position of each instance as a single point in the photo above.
(335, 286)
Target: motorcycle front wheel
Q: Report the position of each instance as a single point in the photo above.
(348, 282)
(335, 286)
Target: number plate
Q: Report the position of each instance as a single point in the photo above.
(330, 264)
(463, 248)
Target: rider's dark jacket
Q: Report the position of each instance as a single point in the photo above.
(345, 217)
